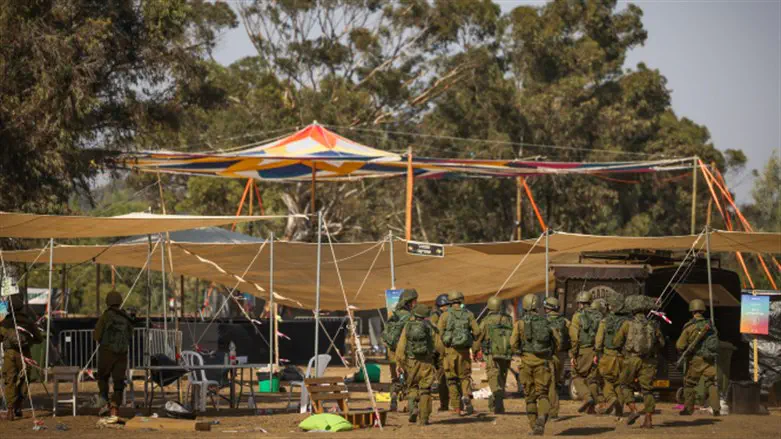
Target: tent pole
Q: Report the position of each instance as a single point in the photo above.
(392, 264)
(317, 290)
(710, 276)
(272, 315)
(410, 187)
(313, 190)
(48, 311)
(547, 263)
(694, 196)
(63, 286)
(164, 294)
(97, 290)
(518, 204)
(147, 323)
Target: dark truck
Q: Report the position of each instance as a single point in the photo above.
(649, 274)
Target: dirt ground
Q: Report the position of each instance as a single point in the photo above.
(279, 423)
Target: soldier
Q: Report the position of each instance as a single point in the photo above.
(702, 363)
(560, 324)
(600, 306)
(114, 332)
(459, 331)
(582, 333)
(610, 357)
(494, 341)
(17, 333)
(391, 335)
(640, 340)
(444, 397)
(537, 341)
(416, 357)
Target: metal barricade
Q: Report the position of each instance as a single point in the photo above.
(77, 346)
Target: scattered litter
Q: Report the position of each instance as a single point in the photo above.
(177, 411)
(215, 422)
(382, 397)
(154, 416)
(247, 430)
(39, 425)
(61, 427)
(483, 393)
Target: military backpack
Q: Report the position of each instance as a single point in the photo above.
(393, 327)
(498, 338)
(538, 335)
(612, 323)
(420, 340)
(117, 332)
(641, 338)
(458, 331)
(589, 323)
(709, 345)
(559, 323)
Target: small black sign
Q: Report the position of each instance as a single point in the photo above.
(425, 249)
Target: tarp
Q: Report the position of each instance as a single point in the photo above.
(23, 225)
(478, 270)
(332, 157)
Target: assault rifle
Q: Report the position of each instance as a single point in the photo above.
(700, 335)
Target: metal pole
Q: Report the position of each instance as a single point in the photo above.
(147, 324)
(694, 195)
(317, 290)
(392, 264)
(710, 276)
(272, 316)
(97, 290)
(547, 263)
(164, 294)
(48, 312)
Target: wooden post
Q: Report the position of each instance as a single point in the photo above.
(410, 187)
(113, 277)
(97, 290)
(314, 185)
(518, 202)
(694, 197)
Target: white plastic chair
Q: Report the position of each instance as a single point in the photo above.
(197, 378)
(322, 363)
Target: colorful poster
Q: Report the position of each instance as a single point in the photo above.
(391, 300)
(754, 314)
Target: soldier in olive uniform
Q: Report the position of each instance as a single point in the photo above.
(444, 397)
(641, 340)
(561, 324)
(416, 357)
(391, 334)
(610, 357)
(458, 329)
(537, 342)
(114, 332)
(703, 360)
(494, 341)
(582, 333)
(16, 340)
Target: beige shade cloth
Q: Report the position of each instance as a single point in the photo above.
(23, 225)
(478, 270)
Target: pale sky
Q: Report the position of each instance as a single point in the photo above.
(722, 61)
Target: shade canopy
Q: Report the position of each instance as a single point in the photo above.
(478, 270)
(23, 225)
(330, 157)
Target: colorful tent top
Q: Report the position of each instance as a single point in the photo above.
(317, 152)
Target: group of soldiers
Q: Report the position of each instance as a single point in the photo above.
(19, 332)
(612, 345)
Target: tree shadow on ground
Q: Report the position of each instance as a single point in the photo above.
(584, 431)
(692, 423)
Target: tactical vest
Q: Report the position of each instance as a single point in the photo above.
(589, 323)
(458, 331)
(117, 332)
(559, 323)
(497, 340)
(538, 335)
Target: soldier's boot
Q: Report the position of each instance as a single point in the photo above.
(492, 403)
(467, 406)
(413, 411)
(587, 405)
(18, 409)
(424, 408)
(531, 415)
(608, 407)
(499, 403)
(634, 415)
(648, 422)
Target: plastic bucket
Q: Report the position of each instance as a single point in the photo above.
(269, 386)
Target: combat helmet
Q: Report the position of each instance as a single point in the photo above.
(530, 302)
(421, 311)
(551, 303)
(455, 297)
(113, 298)
(616, 303)
(696, 305)
(583, 297)
(406, 297)
(638, 304)
(599, 305)
(495, 304)
(442, 300)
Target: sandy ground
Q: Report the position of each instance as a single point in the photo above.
(279, 423)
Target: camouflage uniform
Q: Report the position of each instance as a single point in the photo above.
(444, 394)
(582, 356)
(698, 366)
(420, 370)
(536, 376)
(562, 325)
(458, 362)
(496, 368)
(13, 356)
(112, 353)
(638, 367)
(610, 363)
(402, 312)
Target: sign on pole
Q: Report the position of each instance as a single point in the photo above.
(754, 314)
(425, 249)
(9, 287)
(392, 299)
